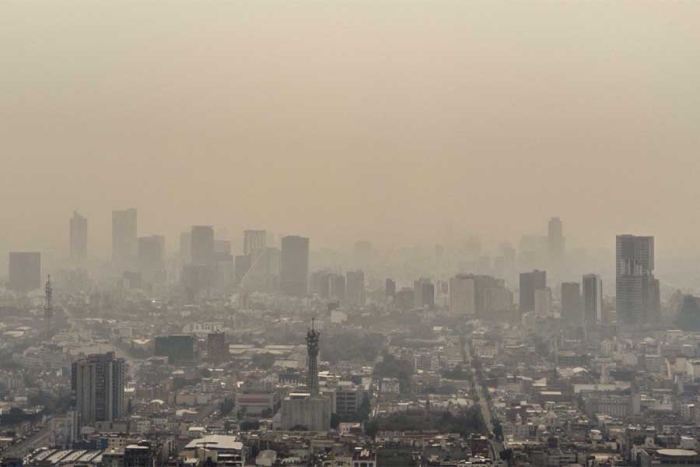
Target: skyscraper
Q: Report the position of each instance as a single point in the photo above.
(529, 282)
(463, 295)
(24, 271)
(124, 238)
(637, 290)
(355, 293)
(254, 241)
(555, 240)
(78, 238)
(202, 245)
(98, 385)
(294, 267)
(152, 257)
(592, 299)
(571, 303)
(390, 288)
(424, 294)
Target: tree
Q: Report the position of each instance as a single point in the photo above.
(371, 428)
(391, 367)
(365, 408)
(226, 406)
(264, 361)
(250, 425)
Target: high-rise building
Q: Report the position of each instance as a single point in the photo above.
(555, 239)
(463, 295)
(152, 258)
(179, 348)
(124, 238)
(355, 293)
(529, 282)
(78, 238)
(571, 303)
(637, 291)
(424, 294)
(202, 251)
(390, 289)
(217, 349)
(543, 302)
(98, 384)
(294, 267)
(24, 271)
(592, 299)
(336, 287)
(254, 241)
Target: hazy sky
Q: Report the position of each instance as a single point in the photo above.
(347, 120)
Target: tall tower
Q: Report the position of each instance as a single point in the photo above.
(294, 266)
(124, 239)
(312, 338)
(555, 239)
(254, 241)
(637, 291)
(48, 306)
(98, 385)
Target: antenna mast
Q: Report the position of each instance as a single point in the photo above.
(48, 308)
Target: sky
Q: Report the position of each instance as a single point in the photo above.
(394, 121)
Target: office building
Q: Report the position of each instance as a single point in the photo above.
(151, 255)
(124, 238)
(543, 302)
(555, 240)
(571, 303)
(637, 291)
(423, 294)
(259, 272)
(593, 300)
(217, 348)
(294, 267)
(78, 239)
(202, 248)
(529, 282)
(355, 291)
(254, 241)
(178, 348)
(242, 265)
(98, 384)
(463, 295)
(24, 271)
(390, 288)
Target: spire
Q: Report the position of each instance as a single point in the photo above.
(48, 306)
(312, 339)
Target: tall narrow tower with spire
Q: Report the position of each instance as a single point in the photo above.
(48, 306)
(312, 339)
(309, 410)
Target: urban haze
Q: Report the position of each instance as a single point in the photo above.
(349, 233)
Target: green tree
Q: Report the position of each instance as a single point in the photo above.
(264, 361)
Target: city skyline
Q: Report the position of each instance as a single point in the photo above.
(345, 144)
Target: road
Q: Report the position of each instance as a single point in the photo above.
(37, 440)
(481, 391)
